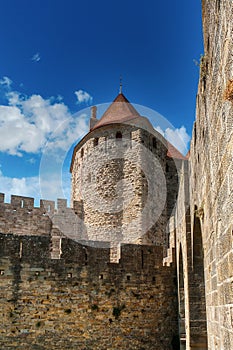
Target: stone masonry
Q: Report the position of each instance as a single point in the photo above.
(120, 183)
(204, 219)
(144, 258)
(82, 301)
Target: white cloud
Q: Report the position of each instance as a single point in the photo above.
(83, 97)
(25, 186)
(5, 81)
(67, 133)
(36, 57)
(13, 98)
(31, 160)
(59, 98)
(35, 125)
(28, 123)
(30, 187)
(177, 137)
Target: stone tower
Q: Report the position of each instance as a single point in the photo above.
(125, 178)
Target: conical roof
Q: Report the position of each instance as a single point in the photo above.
(119, 111)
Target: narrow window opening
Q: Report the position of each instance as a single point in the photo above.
(105, 144)
(208, 43)
(128, 278)
(101, 277)
(96, 141)
(82, 153)
(85, 258)
(218, 4)
(21, 204)
(195, 134)
(154, 142)
(119, 135)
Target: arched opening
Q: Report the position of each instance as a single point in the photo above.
(119, 135)
(198, 253)
(198, 326)
(181, 303)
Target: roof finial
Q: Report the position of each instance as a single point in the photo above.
(120, 91)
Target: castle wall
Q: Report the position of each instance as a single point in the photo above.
(58, 294)
(55, 220)
(211, 183)
(22, 218)
(83, 302)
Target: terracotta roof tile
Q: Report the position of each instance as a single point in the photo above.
(172, 152)
(119, 111)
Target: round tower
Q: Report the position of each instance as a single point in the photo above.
(124, 178)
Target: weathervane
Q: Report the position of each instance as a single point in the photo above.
(120, 84)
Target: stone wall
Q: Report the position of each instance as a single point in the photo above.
(128, 185)
(83, 302)
(55, 220)
(22, 218)
(212, 169)
(190, 269)
(207, 241)
(58, 294)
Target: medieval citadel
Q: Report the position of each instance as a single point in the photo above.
(144, 258)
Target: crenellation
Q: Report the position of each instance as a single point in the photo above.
(22, 202)
(74, 252)
(81, 291)
(61, 205)
(48, 206)
(105, 274)
(2, 197)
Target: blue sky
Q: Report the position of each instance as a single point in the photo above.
(59, 57)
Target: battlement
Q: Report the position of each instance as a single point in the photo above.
(36, 251)
(57, 222)
(83, 290)
(22, 202)
(21, 217)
